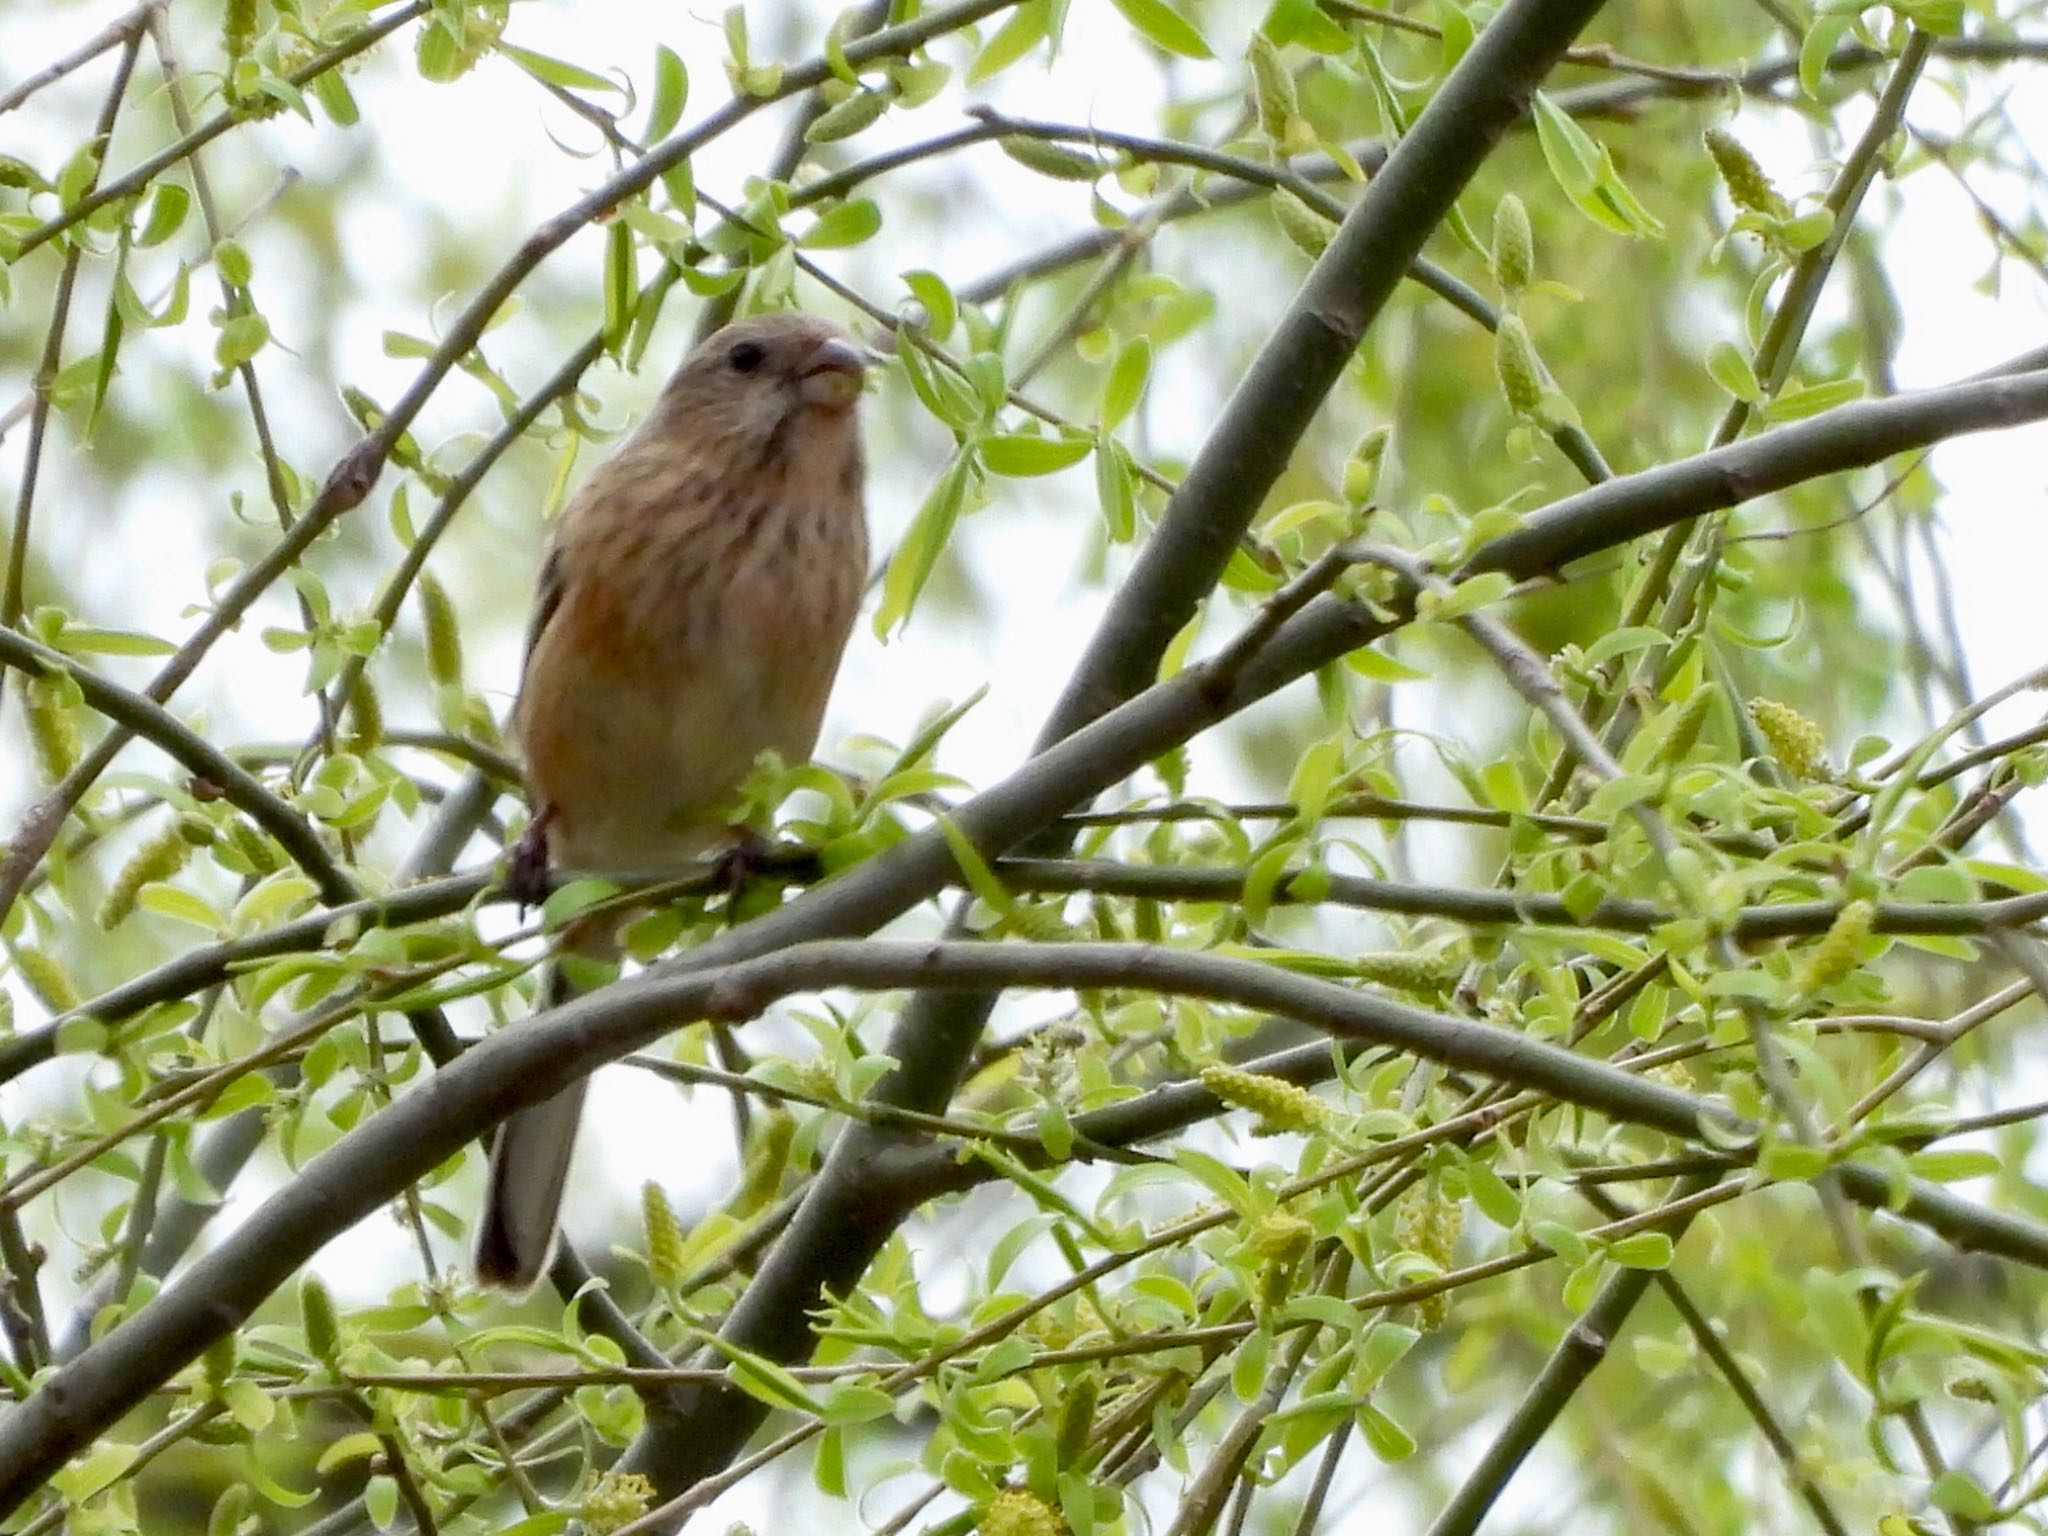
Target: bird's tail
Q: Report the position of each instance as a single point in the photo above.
(529, 1168)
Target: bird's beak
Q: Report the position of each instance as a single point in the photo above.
(831, 376)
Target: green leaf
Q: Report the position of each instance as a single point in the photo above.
(1731, 370)
(1026, 27)
(1165, 26)
(1585, 172)
(167, 208)
(974, 868)
(671, 91)
(856, 1402)
(572, 77)
(1018, 455)
(1389, 1441)
(1125, 385)
(1957, 1493)
(1945, 1167)
(940, 309)
(1642, 1250)
(1561, 1240)
(1795, 404)
(848, 224)
(1493, 1195)
(180, 905)
(1828, 29)
(911, 566)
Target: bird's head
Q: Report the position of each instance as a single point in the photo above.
(773, 383)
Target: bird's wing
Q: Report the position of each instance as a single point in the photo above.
(547, 601)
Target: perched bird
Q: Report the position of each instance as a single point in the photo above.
(691, 614)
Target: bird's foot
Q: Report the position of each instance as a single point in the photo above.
(526, 872)
(751, 855)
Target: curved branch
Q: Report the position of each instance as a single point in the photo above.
(520, 1067)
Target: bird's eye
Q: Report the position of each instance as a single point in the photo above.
(746, 356)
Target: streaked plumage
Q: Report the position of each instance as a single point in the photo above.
(691, 614)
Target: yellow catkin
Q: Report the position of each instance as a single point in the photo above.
(1796, 742)
(1835, 957)
(1430, 1225)
(323, 1330)
(1020, 1512)
(616, 1499)
(1514, 245)
(664, 1235)
(1748, 187)
(844, 120)
(1517, 366)
(1408, 970)
(1279, 1104)
(1054, 160)
(1280, 1238)
(1309, 231)
(45, 978)
(52, 724)
(444, 633)
(158, 859)
(1273, 92)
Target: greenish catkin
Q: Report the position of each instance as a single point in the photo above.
(444, 633)
(1686, 724)
(1514, 245)
(52, 723)
(1835, 958)
(323, 1329)
(1077, 1420)
(1409, 970)
(664, 1235)
(1362, 469)
(1307, 229)
(1798, 745)
(1054, 160)
(45, 979)
(160, 858)
(1039, 921)
(1273, 93)
(257, 851)
(237, 28)
(365, 718)
(217, 1365)
(1517, 366)
(846, 118)
(1748, 187)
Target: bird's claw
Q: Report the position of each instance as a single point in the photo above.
(526, 873)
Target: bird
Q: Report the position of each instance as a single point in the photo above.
(691, 612)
